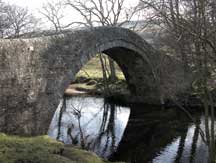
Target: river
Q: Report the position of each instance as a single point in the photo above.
(132, 133)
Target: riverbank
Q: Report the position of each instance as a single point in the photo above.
(42, 149)
(96, 87)
(119, 93)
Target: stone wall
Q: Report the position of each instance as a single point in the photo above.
(34, 73)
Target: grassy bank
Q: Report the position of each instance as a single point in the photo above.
(89, 80)
(93, 70)
(42, 149)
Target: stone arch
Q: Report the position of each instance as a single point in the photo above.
(68, 53)
(47, 68)
(130, 51)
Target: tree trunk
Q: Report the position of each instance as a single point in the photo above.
(112, 70)
(105, 79)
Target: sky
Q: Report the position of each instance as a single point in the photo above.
(35, 5)
(31, 4)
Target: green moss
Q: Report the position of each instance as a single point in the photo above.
(32, 149)
(59, 159)
(41, 149)
(81, 156)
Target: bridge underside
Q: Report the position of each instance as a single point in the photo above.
(35, 73)
(138, 74)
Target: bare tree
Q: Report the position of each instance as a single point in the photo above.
(4, 24)
(191, 27)
(103, 13)
(20, 20)
(53, 12)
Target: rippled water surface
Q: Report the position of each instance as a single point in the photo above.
(136, 133)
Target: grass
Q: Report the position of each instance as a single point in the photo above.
(93, 70)
(33, 149)
(41, 149)
(90, 79)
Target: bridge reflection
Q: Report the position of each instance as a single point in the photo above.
(136, 133)
(159, 135)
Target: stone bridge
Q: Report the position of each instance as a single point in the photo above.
(35, 72)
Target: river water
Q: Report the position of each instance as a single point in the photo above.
(133, 133)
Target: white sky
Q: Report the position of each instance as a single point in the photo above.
(31, 4)
(35, 5)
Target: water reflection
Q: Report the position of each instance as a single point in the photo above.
(184, 149)
(165, 136)
(90, 123)
(135, 134)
